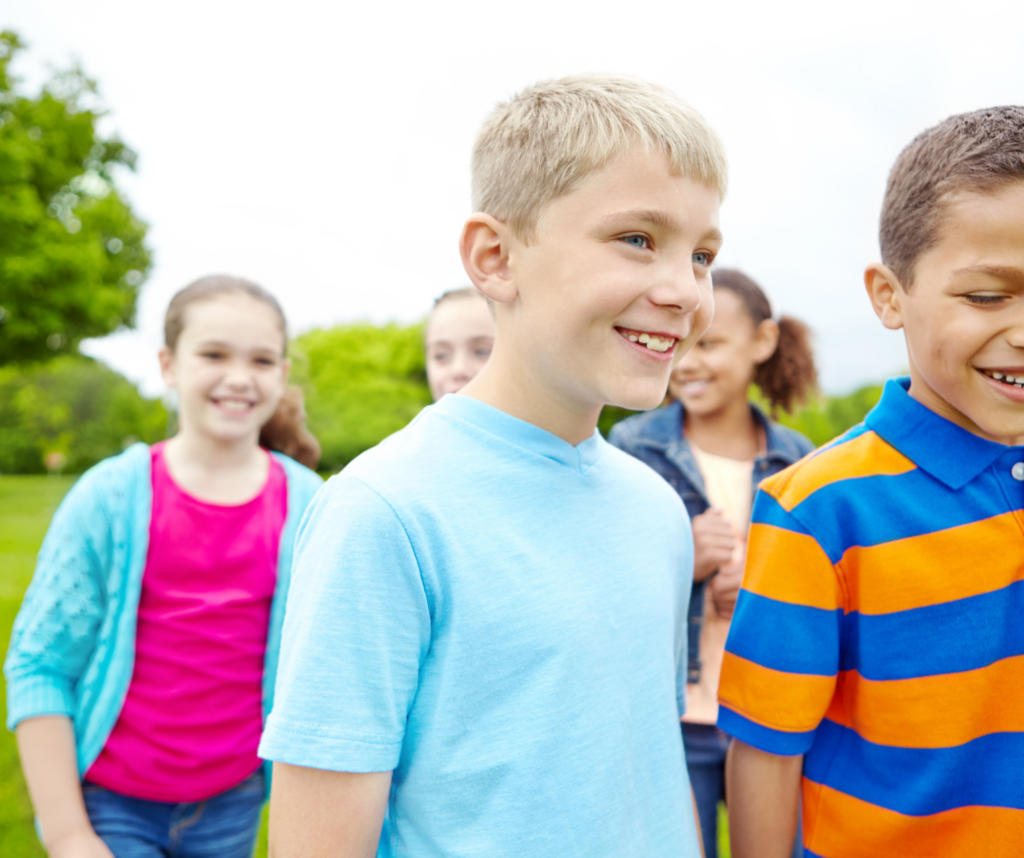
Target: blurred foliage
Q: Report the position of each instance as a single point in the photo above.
(74, 406)
(826, 417)
(362, 383)
(72, 253)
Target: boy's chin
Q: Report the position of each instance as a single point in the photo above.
(640, 397)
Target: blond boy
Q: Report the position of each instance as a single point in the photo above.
(485, 646)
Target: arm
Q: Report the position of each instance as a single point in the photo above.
(320, 814)
(763, 796)
(47, 748)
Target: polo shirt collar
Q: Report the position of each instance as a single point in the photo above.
(936, 445)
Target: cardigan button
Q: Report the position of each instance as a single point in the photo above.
(1017, 471)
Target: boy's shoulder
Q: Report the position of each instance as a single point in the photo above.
(838, 467)
(636, 474)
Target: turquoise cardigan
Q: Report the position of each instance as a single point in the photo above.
(72, 650)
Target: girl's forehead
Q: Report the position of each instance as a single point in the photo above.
(233, 316)
(729, 308)
(461, 318)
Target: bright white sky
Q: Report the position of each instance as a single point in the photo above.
(322, 149)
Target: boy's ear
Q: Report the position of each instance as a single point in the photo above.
(886, 293)
(485, 245)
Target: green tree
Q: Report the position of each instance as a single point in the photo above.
(74, 406)
(72, 253)
(362, 383)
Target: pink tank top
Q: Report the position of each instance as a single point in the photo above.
(193, 715)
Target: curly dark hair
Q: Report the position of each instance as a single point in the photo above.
(789, 375)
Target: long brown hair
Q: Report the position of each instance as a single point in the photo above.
(286, 430)
(789, 375)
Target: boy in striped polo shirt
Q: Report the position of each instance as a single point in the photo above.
(877, 649)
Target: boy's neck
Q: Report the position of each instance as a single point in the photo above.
(930, 399)
(512, 390)
(730, 431)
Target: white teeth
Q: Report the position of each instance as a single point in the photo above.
(233, 405)
(653, 342)
(998, 376)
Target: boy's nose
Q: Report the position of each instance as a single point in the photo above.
(678, 288)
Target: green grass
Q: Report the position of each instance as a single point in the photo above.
(26, 506)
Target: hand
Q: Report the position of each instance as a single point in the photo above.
(725, 587)
(714, 542)
(80, 844)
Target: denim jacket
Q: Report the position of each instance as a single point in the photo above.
(656, 438)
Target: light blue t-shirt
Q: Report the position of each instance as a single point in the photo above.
(500, 618)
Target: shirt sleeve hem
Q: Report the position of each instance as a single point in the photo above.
(780, 742)
(332, 753)
(35, 697)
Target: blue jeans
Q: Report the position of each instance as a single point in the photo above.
(224, 826)
(705, 760)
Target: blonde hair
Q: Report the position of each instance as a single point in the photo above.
(544, 141)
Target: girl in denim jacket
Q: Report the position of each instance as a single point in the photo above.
(142, 662)
(713, 447)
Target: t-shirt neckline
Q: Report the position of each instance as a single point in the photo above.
(157, 453)
(521, 433)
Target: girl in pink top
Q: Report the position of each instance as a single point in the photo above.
(175, 773)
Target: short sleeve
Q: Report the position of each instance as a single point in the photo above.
(783, 652)
(356, 629)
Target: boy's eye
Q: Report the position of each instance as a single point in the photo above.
(984, 300)
(703, 257)
(640, 241)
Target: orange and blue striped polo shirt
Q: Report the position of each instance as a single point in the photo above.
(880, 632)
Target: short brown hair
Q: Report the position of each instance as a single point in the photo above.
(206, 289)
(979, 151)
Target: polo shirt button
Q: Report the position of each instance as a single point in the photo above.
(1017, 471)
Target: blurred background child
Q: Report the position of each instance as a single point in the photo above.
(713, 446)
(459, 339)
(143, 658)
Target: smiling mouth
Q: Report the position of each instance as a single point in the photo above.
(659, 343)
(1005, 378)
(238, 405)
(694, 387)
